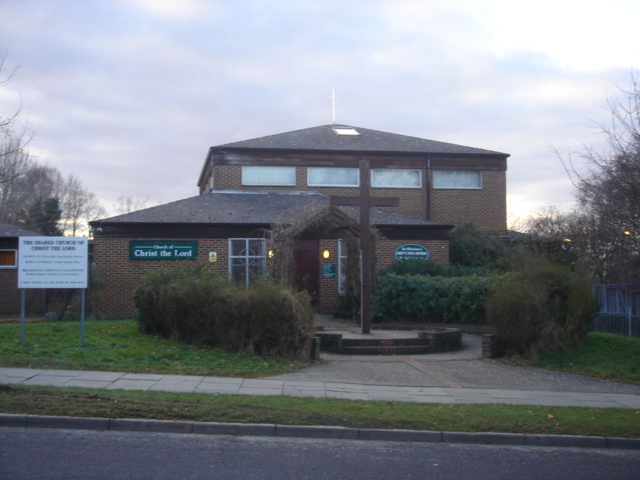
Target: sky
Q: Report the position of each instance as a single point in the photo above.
(129, 95)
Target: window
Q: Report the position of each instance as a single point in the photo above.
(333, 177)
(457, 179)
(247, 259)
(346, 131)
(281, 176)
(8, 259)
(396, 178)
(342, 266)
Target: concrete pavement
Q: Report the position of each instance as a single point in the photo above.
(318, 389)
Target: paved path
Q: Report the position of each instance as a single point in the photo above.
(223, 385)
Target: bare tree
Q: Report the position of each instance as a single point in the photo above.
(14, 138)
(129, 203)
(609, 192)
(37, 184)
(79, 207)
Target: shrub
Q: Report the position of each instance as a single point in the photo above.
(415, 298)
(541, 307)
(415, 266)
(194, 305)
(471, 247)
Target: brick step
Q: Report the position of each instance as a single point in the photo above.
(427, 342)
(386, 350)
(384, 342)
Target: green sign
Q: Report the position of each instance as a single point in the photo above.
(328, 270)
(163, 250)
(411, 250)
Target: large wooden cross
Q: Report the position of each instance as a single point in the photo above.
(365, 201)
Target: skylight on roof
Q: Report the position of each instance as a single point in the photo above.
(345, 131)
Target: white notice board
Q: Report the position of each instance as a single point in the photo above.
(53, 262)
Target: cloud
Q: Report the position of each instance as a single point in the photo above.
(129, 95)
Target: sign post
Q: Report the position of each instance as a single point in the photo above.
(53, 262)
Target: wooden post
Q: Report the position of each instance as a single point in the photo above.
(365, 201)
(365, 246)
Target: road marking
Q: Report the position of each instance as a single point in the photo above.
(431, 372)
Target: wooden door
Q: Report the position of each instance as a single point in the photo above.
(306, 260)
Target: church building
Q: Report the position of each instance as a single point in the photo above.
(247, 188)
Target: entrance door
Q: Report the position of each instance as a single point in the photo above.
(306, 259)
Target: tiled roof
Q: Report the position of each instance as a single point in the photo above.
(324, 138)
(7, 230)
(246, 208)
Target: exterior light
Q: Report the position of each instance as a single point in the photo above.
(271, 253)
(566, 240)
(627, 232)
(325, 254)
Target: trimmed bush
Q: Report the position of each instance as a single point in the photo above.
(193, 305)
(542, 307)
(415, 266)
(415, 298)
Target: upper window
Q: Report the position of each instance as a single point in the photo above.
(457, 179)
(8, 259)
(247, 259)
(333, 177)
(276, 176)
(396, 178)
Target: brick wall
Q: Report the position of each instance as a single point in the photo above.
(11, 299)
(122, 275)
(413, 201)
(485, 208)
(385, 251)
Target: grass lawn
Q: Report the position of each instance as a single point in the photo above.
(618, 422)
(612, 357)
(118, 346)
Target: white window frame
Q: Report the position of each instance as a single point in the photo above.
(15, 258)
(249, 259)
(342, 264)
(457, 188)
(356, 185)
(397, 186)
(267, 184)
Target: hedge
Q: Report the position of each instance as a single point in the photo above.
(416, 298)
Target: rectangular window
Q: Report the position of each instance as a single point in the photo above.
(247, 259)
(333, 177)
(457, 179)
(8, 259)
(276, 176)
(396, 178)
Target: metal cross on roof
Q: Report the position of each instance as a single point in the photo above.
(333, 103)
(365, 201)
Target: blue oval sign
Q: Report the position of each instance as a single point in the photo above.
(411, 250)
